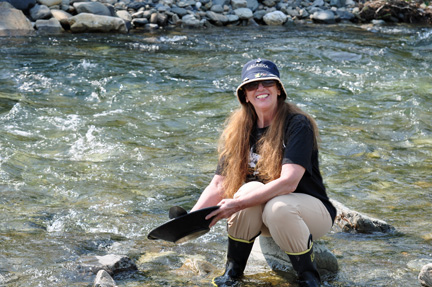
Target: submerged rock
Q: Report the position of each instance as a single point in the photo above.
(110, 263)
(353, 221)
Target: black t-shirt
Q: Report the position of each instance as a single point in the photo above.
(299, 149)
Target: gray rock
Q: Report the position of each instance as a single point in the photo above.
(86, 22)
(353, 221)
(22, 4)
(190, 21)
(217, 8)
(425, 276)
(216, 18)
(318, 3)
(338, 3)
(40, 12)
(103, 279)
(49, 27)
(13, 22)
(252, 4)
(92, 8)
(269, 3)
(125, 15)
(243, 13)
(324, 17)
(345, 15)
(179, 11)
(236, 4)
(275, 18)
(111, 263)
(50, 3)
(266, 250)
(139, 22)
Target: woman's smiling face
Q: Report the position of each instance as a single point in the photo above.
(263, 95)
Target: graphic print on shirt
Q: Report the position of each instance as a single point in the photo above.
(253, 160)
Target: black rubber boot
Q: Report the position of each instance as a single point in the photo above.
(303, 264)
(237, 256)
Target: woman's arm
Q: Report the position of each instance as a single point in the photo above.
(291, 175)
(212, 194)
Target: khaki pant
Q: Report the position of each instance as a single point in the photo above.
(289, 219)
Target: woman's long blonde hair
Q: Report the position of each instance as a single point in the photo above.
(234, 145)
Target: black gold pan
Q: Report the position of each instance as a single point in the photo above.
(184, 227)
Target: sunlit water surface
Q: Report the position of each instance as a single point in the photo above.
(101, 134)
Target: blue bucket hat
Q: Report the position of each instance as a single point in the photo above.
(259, 70)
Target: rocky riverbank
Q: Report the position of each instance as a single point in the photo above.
(265, 253)
(23, 17)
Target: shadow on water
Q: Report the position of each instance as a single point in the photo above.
(101, 134)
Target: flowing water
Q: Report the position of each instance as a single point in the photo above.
(101, 134)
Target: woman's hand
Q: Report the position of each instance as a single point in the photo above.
(227, 207)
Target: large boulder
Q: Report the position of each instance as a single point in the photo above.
(22, 4)
(86, 22)
(13, 22)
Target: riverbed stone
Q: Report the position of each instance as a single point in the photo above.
(13, 22)
(324, 17)
(236, 4)
(190, 21)
(92, 8)
(86, 22)
(111, 263)
(268, 252)
(50, 3)
(425, 276)
(355, 222)
(40, 12)
(103, 279)
(49, 27)
(275, 18)
(243, 13)
(216, 18)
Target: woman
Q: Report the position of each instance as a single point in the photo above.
(268, 180)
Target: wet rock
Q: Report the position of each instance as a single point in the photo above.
(49, 27)
(13, 22)
(236, 4)
(103, 279)
(425, 276)
(266, 250)
(275, 18)
(86, 22)
(92, 8)
(40, 12)
(353, 221)
(112, 264)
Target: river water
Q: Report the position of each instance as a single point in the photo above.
(101, 134)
